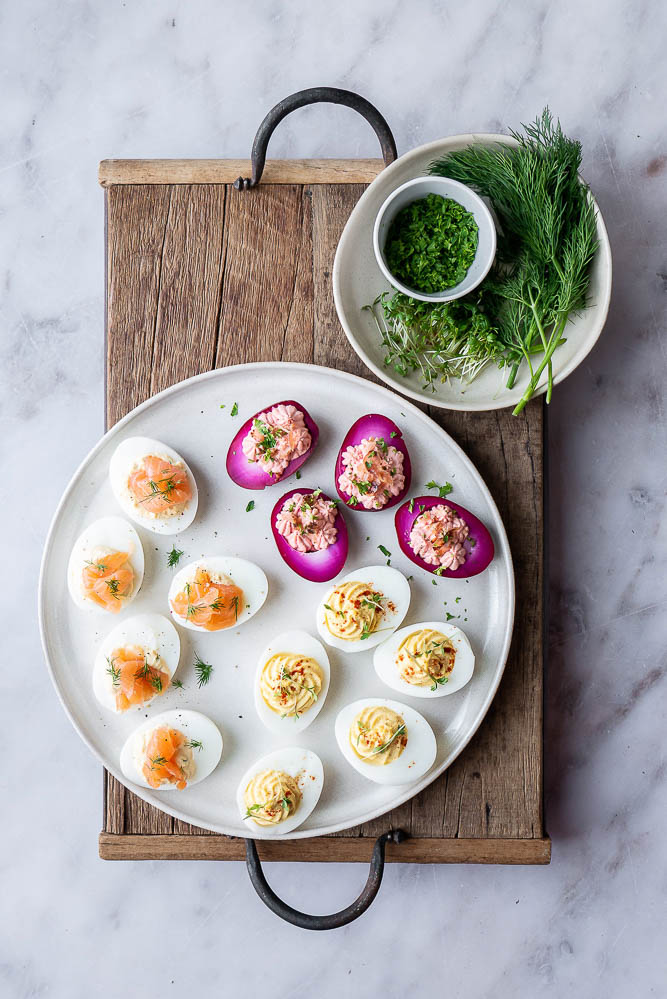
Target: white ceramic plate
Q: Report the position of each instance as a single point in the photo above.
(189, 417)
(358, 280)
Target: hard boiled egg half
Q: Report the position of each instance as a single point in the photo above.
(431, 659)
(153, 485)
(291, 682)
(216, 593)
(136, 662)
(279, 791)
(172, 750)
(385, 741)
(106, 567)
(363, 608)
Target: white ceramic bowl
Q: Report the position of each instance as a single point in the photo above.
(420, 187)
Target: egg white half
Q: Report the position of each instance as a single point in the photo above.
(416, 759)
(151, 632)
(247, 575)
(112, 533)
(131, 452)
(193, 725)
(384, 660)
(299, 643)
(302, 764)
(392, 584)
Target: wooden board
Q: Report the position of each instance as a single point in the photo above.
(199, 276)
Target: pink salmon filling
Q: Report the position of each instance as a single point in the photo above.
(437, 536)
(276, 438)
(306, 522)
(372, 472)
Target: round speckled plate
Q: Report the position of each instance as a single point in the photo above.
(189, 417)
(358, 280)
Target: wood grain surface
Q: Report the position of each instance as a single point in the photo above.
(200, 276)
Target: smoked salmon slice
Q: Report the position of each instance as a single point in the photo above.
(134, 681)
(108, 581)
(160, 765)
(211, 605)
(158, 486)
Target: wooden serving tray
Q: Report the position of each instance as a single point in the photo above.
(200, 275)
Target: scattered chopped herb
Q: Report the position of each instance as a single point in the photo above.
(458, 599)
(250, 506)
(442, 490)
(194, 744)
(178, 684)
(442, 680)
(450, 617)
(439, 571)
(384, 551)
(394, 433)
(411, 505)
(222, 405)
(298, 474)
(472, 542)
(173, 557)
(235, 409)
(203, 671)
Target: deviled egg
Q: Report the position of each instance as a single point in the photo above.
(272, 445)
(431, 659)
(174, 749)
(216, 593)
(106, 566)
(279, 791)
(153, 485)
(136, 662)
(363, 608)
(291, 682)
(385, 741)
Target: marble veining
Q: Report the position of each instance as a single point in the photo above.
(85, 80)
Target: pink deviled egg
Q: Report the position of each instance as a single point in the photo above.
(443, 537)
(272, 445)
(373, 469)
(310, 534)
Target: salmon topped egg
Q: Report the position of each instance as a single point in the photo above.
(216, 593)
(172, 750)
(136, 662)
(106, 567)
(154, 485)
(212, 602)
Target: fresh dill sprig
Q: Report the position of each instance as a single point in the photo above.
(173, 556)
(385, 745)
(203, 671)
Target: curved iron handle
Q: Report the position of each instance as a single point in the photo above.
(315, 95)
(341, 918)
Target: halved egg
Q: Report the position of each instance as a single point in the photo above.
(153, 485)
(279, 791)
(272, 445)
(373, 470)
(172, 750)
(363, 608)
(106, 566)
(291, 682)
(431, 659)
(217, 592)
(443, 537)
(385, 741)
(136, 662)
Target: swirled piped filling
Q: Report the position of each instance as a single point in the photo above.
(378, 735)
(437, 536)
(306, 521)
(277, 437)
(425, 658)
(271, 797)
(372, 472)
(353, 611)
(290, 684)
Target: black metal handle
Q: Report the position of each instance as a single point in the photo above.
(303, 919)
(315, 95)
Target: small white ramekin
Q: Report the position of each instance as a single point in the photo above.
(446, 188)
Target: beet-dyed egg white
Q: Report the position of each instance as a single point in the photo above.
(106, 566)
(310, 534)
(291, 682)
(272, 445)
(443, 537)
(216, 593)
(135, 662)
(373, 470)
(431, 659)
(363, 608)
(172, 750)
(385, 741)
(278, 792)
(154, 485)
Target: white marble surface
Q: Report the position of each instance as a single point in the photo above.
(87, 80)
